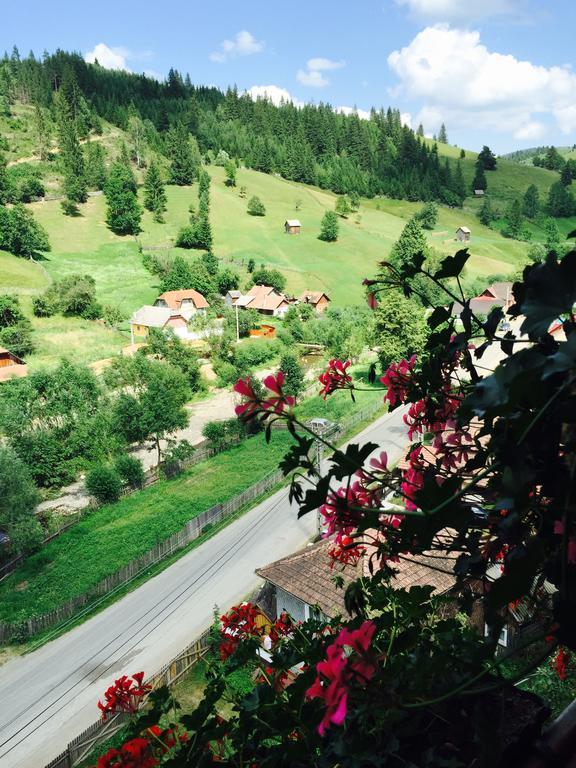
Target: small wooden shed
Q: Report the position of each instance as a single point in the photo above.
(292, 226)
(463, 234)
(479, 192)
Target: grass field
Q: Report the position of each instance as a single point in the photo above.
(117, 533)
(85, 245)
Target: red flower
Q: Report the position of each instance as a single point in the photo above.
(347, 665)
(335, 377)
(238, 624)
(125, 695)
(279, 400)
(134, 754)
(397, 379)
(346, 552)
(251, 403)
(560, 663)
(372, 300)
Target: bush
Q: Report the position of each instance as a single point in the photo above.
(329, 227)
(92, 311)
(43, 306)
(186, 237)
(256, 207)
(130, 470)
(18, 338)
(69, 208)
(222, 433)
(104, 483)
(112, 315)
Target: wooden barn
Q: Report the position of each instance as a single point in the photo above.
(11, 365)
(292, 226)
(317, 299)
(463, 234)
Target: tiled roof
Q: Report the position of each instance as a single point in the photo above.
(307, 575)
(293, 222)
(261, 297)
(313, 297)
(151, 317)
(174, 299)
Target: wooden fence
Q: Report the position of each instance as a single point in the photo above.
(80, 748)
(164, 549)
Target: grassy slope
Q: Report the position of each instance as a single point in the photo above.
(84, 244)
(117, 533)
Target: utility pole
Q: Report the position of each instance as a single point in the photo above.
(318, 427)
(237, 325)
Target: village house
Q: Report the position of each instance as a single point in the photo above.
(11, 365)
(303, 583)
(162, 318)
(463, 234)
(187, 301)
(292, 227)
(262, 298)
(317, 299)
(495, 295)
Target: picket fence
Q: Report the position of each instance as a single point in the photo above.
(191, 531)
(81, 747)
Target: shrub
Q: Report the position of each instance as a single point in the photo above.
(92, 311)
(329, 227)
(18, 338)
(43, 306)
(104, 483)
(130, 470)
(256, 207)
(186, 237)
(112, 314)
(222, 433)
(69, 208)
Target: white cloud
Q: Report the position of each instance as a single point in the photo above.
(530, 131)
(406, 119)
(458, 10)
(465, 85)
(110, 58)
(273, 93)
(312, 76)
(362, 113)
(242, 44)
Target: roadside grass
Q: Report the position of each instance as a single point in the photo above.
(21, 277)
(115, 534)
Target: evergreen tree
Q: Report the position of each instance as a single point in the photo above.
(5, 185)
(560, 200)
(204, 232)
(137, 134)
(154, 192)
(479, 181)
(420, 131)
(486, 215)
(462, 154)
(95, 165)
(531, 204)
(123, 213)
(401, 328)
(42, 132)
(183, 154)
(293, 373)
(427, 216)
(553, 236)
(566, 175)
(514, 219)
(487, 159)
(458, 183)
(442, 135)
(74, 182)
(411, 242)
(329, 227)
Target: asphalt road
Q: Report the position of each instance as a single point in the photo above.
(48, 697)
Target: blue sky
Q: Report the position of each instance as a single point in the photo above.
(495, 71)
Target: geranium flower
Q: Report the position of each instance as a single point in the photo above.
(396, 380)
(335, 377)
(251, 403)
(125, 695)
(279, 399)
(134, 754)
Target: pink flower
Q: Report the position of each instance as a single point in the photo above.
(347, 666)
(251, 403)
(381, 463)
(279, 400)
(397, 379)
(335, 377)
(372, 300)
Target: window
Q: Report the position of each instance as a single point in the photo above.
(503, 639)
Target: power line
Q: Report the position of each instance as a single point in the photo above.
(205, 573)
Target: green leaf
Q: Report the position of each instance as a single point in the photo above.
(452, 266)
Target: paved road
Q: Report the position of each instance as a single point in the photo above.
(48, 697)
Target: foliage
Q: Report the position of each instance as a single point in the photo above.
(123, 213)
(104, 483)
(400, 328)
(230, 169)
(20, 233)
(294, 374)
(342, 207)
(96, 174)
(329, 227)
(531, 203)
(222, 433)
(18, 501)
(154, 192)
(227, 280)
(74, 295)
(15, 328)
(169, 347)
(427, 216)
(487, 159)
(256, 207)
(271, 277)
(130, 470)
(560, 201)
(184, 155)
